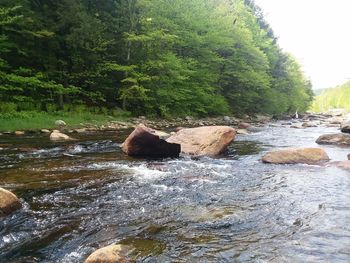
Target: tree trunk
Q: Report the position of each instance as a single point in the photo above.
(128, 52)
(60, 101)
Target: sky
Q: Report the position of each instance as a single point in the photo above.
(317, 33)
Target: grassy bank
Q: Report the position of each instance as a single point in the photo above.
(32, 120)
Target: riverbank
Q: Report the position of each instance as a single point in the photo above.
(32, 122)
(36, 122)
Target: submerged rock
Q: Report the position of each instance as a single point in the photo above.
(207, 140)
(144, 141)
(293, 156)
(58, 136)
(343, 165)
(8, 202)
(297, 126)
(110, 254)
(309, 124)
(244, 125)
(337, 139)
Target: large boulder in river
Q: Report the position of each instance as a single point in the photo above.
(8, 202)
(336, 138)
(110, 254)
(144, 141)
(58, 136)
(207, 140)
(293, 156)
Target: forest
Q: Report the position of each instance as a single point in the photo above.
(333, 98)
(158, 58)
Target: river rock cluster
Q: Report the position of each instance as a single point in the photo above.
(315, 155)
(206, 140)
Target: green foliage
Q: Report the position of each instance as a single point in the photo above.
(333, 98)
(160, 58)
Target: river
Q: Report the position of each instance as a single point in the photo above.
(83, 195)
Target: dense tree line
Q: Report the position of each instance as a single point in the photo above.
(155, 57)
(333, 98)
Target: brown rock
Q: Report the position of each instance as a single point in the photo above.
(178, 129)
(332, 125)
(297, 126)
(337, 139)
(45, 131)
(161, 134)
(291, 156)
(80, 130)
(8, 202)
(335, 120)
(263, 118)
(207, 140)
(242, 131)
(244, 125)
(91, 129)
(144, 141)
(309, 124)
(58, 136)
(19, 132)
(110, 254)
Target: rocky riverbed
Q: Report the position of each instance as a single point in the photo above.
(81, 195)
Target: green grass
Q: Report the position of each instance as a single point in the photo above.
(31, 120)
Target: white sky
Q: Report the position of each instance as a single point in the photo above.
(317, 33)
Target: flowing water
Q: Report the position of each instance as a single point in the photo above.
(83, 195)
